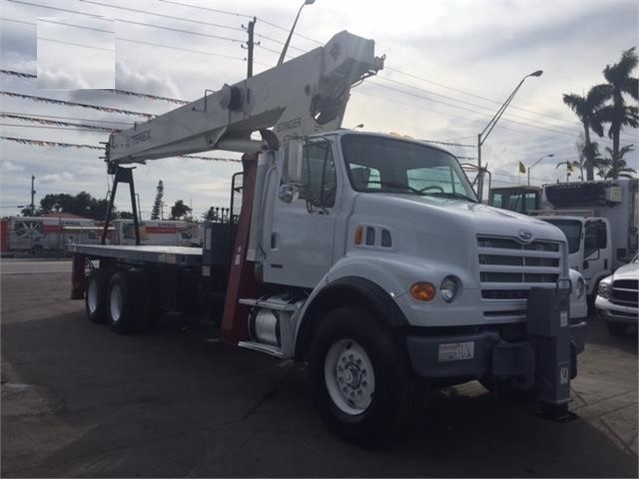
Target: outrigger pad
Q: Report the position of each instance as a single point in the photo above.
(548, 325)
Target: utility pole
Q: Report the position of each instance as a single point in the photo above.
(33, 192)
(250, 45)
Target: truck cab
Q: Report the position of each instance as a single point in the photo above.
(521, 199)
(589, 246)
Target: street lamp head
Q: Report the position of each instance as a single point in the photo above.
(538, 73)
(309, 2)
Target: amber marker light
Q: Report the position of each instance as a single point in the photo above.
(359, 234)
(423, 291)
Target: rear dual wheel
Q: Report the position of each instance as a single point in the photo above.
(119, 299)
(127, 310)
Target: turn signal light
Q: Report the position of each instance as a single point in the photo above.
(423, 291)
(359, 234)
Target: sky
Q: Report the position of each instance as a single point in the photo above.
(449, 66)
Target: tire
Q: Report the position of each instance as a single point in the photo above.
(126, 303)
(95, 298)
(503, 389)
(616, 329)
(384, 395)
(37, 250)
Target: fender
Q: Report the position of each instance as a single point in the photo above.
(348, 290)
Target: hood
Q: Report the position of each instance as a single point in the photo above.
(481, 218)
(627, 271)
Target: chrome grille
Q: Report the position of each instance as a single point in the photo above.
(625, 292)
(509, 268)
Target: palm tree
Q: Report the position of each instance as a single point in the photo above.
(605, 167)
(587, 108)
(179, 210)
(619, 114)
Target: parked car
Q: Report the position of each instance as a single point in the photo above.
(617, 298)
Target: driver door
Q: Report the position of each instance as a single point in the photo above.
(299, 250)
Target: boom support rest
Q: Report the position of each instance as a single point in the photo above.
(122, 175)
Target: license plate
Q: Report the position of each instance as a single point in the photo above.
(456, 351)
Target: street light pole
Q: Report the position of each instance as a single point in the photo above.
(290, 34)
(481, 137)
(551, 155)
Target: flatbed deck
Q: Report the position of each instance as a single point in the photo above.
(177, 255)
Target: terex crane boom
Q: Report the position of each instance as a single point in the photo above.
(365, 255)
(303, 96)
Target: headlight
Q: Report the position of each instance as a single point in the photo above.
(580, 288)
(604, 289)
(449, 288)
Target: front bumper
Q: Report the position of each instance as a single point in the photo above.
(614, 312)
(475, 355)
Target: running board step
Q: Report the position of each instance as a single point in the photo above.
(268, 305)
(262, 348)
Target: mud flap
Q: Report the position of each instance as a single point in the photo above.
(548, 326)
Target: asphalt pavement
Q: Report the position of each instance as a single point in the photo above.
(78, 400)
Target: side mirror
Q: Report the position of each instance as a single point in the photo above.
(585, 265)
(294, 160)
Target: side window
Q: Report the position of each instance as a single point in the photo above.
(318, 170)
(497, 201)
(595, 237)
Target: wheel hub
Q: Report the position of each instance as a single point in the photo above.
(349, 377)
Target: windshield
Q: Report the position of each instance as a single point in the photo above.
(377, 164)
(572, 231)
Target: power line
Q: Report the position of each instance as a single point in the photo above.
(458, 90)
(468, 103)
(97, 17)
(465, 109)
(78, 128)
(148, 25)
(135, 10)
(179, 30)
(57, 144)
(76, 26)
(227, 12)
(55, 122)
(211, 54)
(70, 103)
(70, 118)
(49, 143)
(216, 10)
(117, 91)
(75, 44)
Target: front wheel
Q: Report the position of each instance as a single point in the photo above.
(361, 379)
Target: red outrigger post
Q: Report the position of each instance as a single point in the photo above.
(242, 282)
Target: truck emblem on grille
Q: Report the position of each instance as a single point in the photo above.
(524, 235)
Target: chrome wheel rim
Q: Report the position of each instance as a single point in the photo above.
(349, 377)
(116, 303)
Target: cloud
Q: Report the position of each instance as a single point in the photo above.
(57, 178)
(9, 167)
(148, 82)
(61, 80)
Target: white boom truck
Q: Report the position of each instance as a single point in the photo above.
(365, 255)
